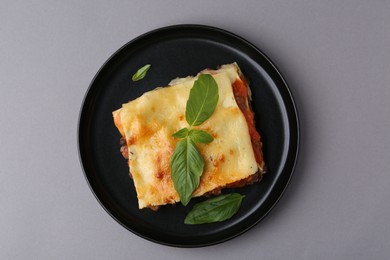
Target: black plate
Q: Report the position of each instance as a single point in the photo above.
(179, 51)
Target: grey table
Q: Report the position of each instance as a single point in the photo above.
(335, 55)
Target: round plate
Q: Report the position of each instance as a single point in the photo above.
(179, 51)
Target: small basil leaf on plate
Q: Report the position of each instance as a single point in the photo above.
(182, 133)
(200, 136)
(186, 168)
(215, 209)
(141, 73)
(202, 100)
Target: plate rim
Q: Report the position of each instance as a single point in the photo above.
(293, 111)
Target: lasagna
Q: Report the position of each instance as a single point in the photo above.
(233, 159)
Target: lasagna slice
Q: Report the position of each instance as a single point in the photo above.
(233, 159)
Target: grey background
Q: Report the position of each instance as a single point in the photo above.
(335, 55)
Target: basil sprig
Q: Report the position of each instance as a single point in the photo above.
(200, 136)
(141, 73)
(186, 162)
(202, 101)
(187, 167)
(215, 209)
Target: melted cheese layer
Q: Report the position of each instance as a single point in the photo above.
(149, 121)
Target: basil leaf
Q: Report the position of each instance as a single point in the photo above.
(141, 73)
(216, 209)
(202, 101)
(186, 168)
(182, 133)
(200, 136)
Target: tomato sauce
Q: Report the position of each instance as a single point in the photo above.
(241, 95)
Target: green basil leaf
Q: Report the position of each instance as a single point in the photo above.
(202, 100)
(141, 73)
(216, 209)
(200, 136)
(182, 133)
(186, 168)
